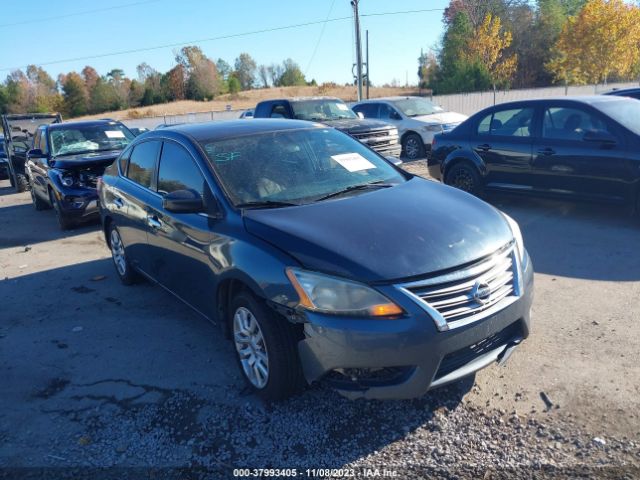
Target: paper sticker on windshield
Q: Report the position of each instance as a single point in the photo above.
(354, 162)
(114, 133)
(342, 106)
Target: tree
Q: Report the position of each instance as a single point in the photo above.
(224, 69)
(263, 73)
(291, 75)
(600, 41)
(175, 85)
(75, 95)
(488, 46)
(234, 84)
(427, 68)
(203, 80)
(245, 71)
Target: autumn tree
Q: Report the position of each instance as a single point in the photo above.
(76, 99)
(488, 45)
(602, 40)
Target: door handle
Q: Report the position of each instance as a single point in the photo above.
(484, 147)
(153, 222)
(118, 202)
(547, 151)
(561, 168)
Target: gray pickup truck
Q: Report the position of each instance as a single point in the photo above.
(380, 136)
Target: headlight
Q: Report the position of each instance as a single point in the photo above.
(322, 293)
(66, 180)
(393, 132)
(515, 229)
(433, 128)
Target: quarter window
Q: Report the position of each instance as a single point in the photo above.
(178, 171)
(142, 162)
(514, 122)
(569, 123)
(279, 111)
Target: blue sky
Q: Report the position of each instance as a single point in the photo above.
(395, 40)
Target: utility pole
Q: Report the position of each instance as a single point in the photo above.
(367, 62)
(356, 21)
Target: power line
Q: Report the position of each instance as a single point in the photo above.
(313, 55)
(222, 37)
(75, 14)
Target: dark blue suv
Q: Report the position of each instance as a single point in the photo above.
(320, 259)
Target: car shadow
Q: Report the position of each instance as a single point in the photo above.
(89, 354)
(22, 225)
(575, 239)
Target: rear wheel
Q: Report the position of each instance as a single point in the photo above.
(124, 270)
(464, 176)
(63, 221)
(266, 348)
(22, 184)
(413, 147)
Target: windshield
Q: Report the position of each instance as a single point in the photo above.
(416, 106)
(90, 138)
(321, 110)
(626, 111)
(295, 166)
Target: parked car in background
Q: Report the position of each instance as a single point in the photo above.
(138, 130)
(417, 120)
(65, 163)
(19, 130)
(247, 113)
(625, 92)
(4, 163)
(380, 136)
(321, 259)
(582, 147)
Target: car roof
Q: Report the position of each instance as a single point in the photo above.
(593, 100)
(622, 91)
(301, 99)
(83, 123)
(391, 99)
(235, 128)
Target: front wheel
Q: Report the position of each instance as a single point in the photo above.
(464, 176)
(126, 274)
(413, 147)
(266, 348)
(63, 221)
(22, 184)
(36, 201)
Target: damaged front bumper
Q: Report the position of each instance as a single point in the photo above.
(406, 357)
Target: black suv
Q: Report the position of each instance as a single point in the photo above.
(380, 136)
(65, 163)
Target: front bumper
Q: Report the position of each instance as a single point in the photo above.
(79, 204)
(419, 356)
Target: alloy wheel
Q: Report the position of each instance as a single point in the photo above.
(117, 252)
(251, 347)
(463, 180)
(412, 148)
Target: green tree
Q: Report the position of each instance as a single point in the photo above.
(291, 75)
(245, 71)
(234, 84)
(74, 95)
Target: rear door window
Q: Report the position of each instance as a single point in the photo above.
(515, 122)
(178, 171)
(142, 163)
(368, 110)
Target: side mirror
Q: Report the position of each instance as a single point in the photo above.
(360, 115)
(604, 138)
(36, 153)
(395, 160)
(183, 201)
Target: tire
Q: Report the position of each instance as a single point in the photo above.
(36, 201)
(125, 271)
(413, 147)
(464, 176)
(262, 337)
(22, 183)
(63, 222)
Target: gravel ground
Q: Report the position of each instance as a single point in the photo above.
(101, 381)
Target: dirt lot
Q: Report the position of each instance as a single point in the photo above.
(95, 374)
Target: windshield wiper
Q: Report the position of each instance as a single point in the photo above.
(266, 204)
(353, 188)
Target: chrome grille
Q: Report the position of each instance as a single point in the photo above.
(469, 294)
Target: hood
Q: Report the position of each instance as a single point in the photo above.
(357, 125)
(409, 230)
(85, 159)
(442, 118)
